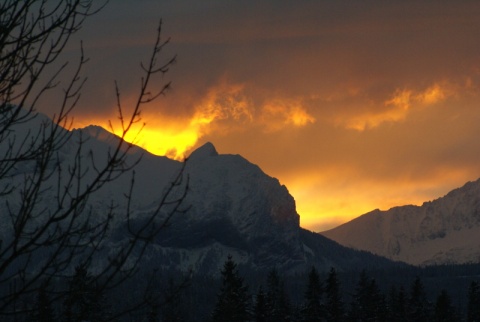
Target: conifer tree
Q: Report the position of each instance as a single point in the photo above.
(85, 302)
(172, 308)
(153, 315)
(444, 311)
(397, 305)
(401, 307)
(43, 311)
(418, 306)
(313, 310)
(278, 306)
(333, 304)
(153, 303)
(473, 313)
(232, 301)
(260, 309)
(368, 303)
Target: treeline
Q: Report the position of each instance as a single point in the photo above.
(445, 293)
(76, 298)
(323, 300)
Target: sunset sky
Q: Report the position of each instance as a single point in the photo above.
(353, 105)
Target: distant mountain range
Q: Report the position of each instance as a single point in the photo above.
(234, 208)
(443, 231)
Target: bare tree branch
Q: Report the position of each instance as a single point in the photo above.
(48, 176)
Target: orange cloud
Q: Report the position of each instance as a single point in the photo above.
(397, 107)
(222, 102)
(225, 107)
(277, 114)
(433, 94)
(175, 136)
(230, 102)
(396, 110)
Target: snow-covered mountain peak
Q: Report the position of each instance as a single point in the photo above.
(231, 206)
(95, 131)
(441, 231)
(99, 136)
(98, 133)
(205, 151)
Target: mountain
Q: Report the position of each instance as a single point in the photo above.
(234, 208)
(231, 207)
(442, 231)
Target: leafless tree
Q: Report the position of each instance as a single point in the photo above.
(47, 227)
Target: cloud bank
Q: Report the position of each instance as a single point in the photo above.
(353, 105)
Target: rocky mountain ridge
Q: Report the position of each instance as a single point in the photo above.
(442, 231)
(231, 207)
(234, 208)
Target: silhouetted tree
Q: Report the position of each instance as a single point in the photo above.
(418, 306)
(397, 302)
(313, 309)
(333, 303)
(84, 302)
(153, 314)
(368, 303)
(47, 221)
(260, 308)
(232, 300)
(43, 311)
(473, 306)
(359, 303)
(172, 308)
(444, 311)
(153, 299)
(278, 305)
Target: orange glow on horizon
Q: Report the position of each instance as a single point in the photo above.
(325, 200)
(325, 197)
(224, 108)
(175, 137)
(170, 137)
(165, 143)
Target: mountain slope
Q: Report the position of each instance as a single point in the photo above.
(234, 208)
(237, 209)
(442, 231)
(231, 208)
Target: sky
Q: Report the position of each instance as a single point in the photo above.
(353, 105)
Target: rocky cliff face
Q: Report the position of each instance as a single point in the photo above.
(442, 231)
(236, 209)
(236, 198)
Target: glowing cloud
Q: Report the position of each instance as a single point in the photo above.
(275, 115)
(393, 110)
(175, 136)
(433, 94)
(396, 108)
(222, 102)
(230, 102)
(228, 107)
